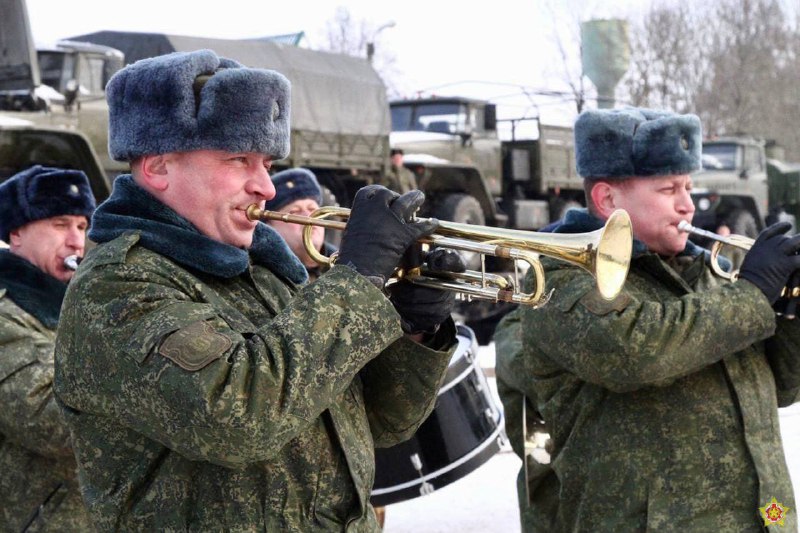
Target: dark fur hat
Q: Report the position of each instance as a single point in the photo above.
(622, 143)
(43, 192)
(293, 184)
(189, 101)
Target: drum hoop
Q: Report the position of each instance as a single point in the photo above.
(455, 464)
(472, 366)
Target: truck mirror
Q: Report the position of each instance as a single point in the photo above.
(490, 117)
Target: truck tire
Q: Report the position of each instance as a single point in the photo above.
(460, 208)
(742, 222)
(463, 209)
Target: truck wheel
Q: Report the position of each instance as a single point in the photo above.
(463, 209)
(742, 222)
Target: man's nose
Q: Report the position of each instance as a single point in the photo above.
(685, 203)
(76, 238)
(261, 184)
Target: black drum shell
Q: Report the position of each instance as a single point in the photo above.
(464, 430)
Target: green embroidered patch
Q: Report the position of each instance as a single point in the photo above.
(195, 346)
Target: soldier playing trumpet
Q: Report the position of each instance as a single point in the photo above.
(660, 404)
(210, 390)
(44, 214)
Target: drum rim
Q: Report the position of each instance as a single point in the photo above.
(492, 438)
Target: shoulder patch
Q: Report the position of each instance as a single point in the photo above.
(195, 346)
(598, 305)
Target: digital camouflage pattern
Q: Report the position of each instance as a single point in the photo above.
(661, 405)
(38, 482)
(200, 403)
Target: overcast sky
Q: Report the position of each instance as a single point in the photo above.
(439, 45)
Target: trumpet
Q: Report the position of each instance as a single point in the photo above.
(736, 241)
(604, 253)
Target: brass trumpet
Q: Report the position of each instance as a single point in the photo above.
(737, 241)
(604, 253)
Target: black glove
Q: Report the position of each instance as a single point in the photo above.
(380, 230)
(422, 309)
(772, 260)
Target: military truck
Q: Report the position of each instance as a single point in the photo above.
(469, 174)
(732, 188)
(60, 86)
(340, 117)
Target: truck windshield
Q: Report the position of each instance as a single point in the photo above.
(434, 117)
(719, 156)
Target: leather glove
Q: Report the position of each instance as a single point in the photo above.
(380, 230)
(772, 260)
(423, 309)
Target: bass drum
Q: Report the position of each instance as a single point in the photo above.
(464, 431)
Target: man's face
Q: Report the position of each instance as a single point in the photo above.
(656, 206)
(212, 190)
(293, 233)
(47, 242)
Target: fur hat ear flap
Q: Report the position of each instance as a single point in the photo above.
(43, 192)
(157, 106)
(622, 143)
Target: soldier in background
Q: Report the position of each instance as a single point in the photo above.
(661, 405)
(402, 179)
(204, 388)
(44, 214)
(297, 192)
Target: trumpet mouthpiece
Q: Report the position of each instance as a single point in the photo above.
(71, 262)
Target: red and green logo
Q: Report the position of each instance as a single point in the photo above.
(774, 513)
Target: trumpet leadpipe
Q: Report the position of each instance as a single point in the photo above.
(737, 241)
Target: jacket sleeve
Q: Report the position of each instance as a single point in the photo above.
(134, 347)
(783, 355)
(638, 339)
(401, 385)
(29, 416)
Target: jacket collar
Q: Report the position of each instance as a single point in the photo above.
(32, 289)
(162, 230)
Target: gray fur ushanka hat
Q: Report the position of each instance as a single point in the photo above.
(158, 105)
(636, 142)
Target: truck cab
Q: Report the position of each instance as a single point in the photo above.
(731, 189)
(452, 146)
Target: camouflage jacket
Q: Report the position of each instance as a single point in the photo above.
(205, 403)
(661, 405)
(38, 482)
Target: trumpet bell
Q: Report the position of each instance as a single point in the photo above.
(613, 258)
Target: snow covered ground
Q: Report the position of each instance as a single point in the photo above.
(486, 499)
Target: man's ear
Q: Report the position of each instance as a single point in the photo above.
(603, 198)
(14, 239)
(153, 170)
